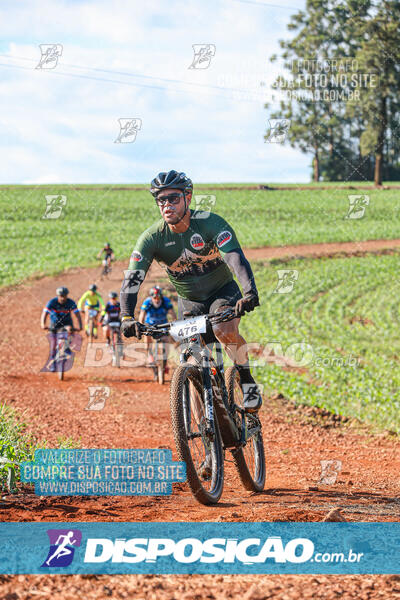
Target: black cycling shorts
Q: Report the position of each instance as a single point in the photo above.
(228, 295)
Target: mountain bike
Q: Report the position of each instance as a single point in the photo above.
(106, 268)
(92, 324)
(63, 350)
(207, 411)
(116, 342)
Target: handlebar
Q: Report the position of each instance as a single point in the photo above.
(226, 315)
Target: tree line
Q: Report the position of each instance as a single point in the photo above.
(340, 88)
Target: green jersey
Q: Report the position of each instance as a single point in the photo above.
(192, 259)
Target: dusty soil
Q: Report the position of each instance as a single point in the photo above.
(136, 415)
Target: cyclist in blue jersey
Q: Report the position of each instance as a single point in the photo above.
(110, 314)
(155, 310)
(60, 309)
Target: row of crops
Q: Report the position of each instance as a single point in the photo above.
(340, 324)
(36, 241)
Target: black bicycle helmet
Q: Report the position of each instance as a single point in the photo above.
(113, 295)
(170, 179)
(62, 291)
(93, 287)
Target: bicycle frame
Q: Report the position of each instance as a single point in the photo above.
(215, 396)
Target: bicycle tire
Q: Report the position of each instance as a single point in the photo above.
(61, 370)
(252, 479)
(161, 364)
(91, 331)
(116, 353)
(202, 495)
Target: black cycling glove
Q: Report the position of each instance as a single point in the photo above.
(246, 304)
(131, 328)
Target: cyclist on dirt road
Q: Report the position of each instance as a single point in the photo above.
(154, 311)
(60, 308)
(200, 255)
(111, 313)
(108, 254)
(91, 300)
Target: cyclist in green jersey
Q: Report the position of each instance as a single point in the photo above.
(200, 252)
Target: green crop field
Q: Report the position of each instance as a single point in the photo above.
(345, 312)
(33, 245)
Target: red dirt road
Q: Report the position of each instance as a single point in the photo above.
(136, 415)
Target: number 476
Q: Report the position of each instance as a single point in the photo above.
(186, 331)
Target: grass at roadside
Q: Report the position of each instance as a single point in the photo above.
(32, 244)
(17, 445)
(343, 314)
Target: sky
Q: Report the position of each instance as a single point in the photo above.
(129, 59)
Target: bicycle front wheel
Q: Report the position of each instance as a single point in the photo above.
(202, 453)
(249, 460)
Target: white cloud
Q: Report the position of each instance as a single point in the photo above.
(63, 123)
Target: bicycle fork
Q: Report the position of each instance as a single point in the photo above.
(208, 396)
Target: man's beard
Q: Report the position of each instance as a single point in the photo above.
(175, 218)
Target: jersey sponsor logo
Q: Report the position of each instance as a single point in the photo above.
(196, 241)
(170, 244)
(137, 256)
(223, 238)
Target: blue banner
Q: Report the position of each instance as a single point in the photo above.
(159, 548)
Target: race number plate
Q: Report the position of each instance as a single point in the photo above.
(92, 312)
(181, 330)
(114, 324)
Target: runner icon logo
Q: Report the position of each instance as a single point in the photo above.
(132, 281)
(62, 547)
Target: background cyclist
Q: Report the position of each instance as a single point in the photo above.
(91, 300)
(60, 309)
(111, 313)
(200, 255)
(108, 254)
(155, 310)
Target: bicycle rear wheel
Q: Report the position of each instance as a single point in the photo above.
(60, 369)
(161, 363)
(115, 349)
(203, 456)
(91, 331)
(249, 460)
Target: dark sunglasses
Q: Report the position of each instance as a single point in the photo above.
(171, 198)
